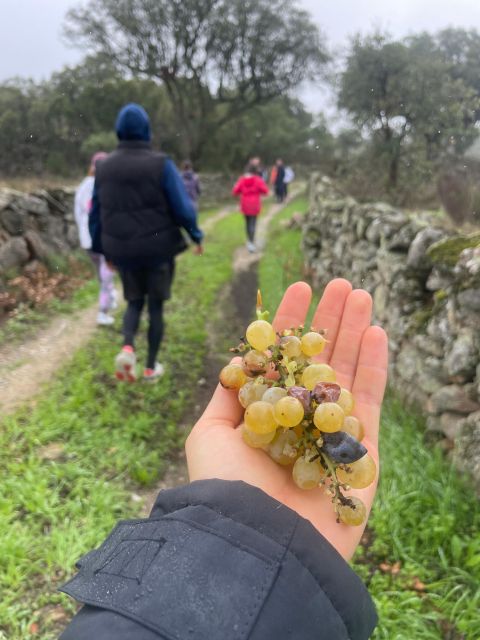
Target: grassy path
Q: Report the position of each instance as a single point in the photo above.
(421, 554)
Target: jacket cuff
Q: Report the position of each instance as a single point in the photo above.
(220, 560)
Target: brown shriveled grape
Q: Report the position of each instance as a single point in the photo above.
(255, 362)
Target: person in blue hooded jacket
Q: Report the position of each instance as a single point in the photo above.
(139, 205)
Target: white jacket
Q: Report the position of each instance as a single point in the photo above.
(82, 206)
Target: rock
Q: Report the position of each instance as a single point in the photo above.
(31, 204)
(428, 345)
(450, 424)
(462, 359)
(467, 446)
(13, 220)
(417, 258)
(402, 239)
(439, 280)
(5, 199)
(38, 248)
(13, 253)
(469, 298)
(454, 398)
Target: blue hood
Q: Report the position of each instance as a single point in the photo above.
(133, 123)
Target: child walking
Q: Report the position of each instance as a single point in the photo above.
(250, 187)
(82, 206)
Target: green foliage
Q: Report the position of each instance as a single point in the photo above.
(101, 141)
(114, 439)
(412, 105)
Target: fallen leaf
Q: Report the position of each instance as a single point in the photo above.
(418, 585)
(34, 628)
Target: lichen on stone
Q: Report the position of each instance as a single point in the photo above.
(448, 251)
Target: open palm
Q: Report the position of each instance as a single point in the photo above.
(358, 353)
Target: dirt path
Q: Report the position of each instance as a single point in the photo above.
(26, 368)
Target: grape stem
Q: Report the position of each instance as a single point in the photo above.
(338, 496)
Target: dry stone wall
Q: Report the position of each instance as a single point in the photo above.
(34, 225)
(425, 282)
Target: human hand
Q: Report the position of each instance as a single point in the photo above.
(358, 352)
(198, 249)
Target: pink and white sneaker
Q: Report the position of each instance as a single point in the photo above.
(152, 375)
(126, 364)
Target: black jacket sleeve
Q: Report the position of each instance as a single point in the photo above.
(218, 560)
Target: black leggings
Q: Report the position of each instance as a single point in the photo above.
(131, 321)
(251, 223)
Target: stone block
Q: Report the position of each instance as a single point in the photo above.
(14, 253)
(467, 446)
(463, 357)
(417, 258)
(454, 398)
(14, 221)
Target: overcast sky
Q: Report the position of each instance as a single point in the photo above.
(30, 43)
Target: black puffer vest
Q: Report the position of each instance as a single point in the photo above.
(135, 216)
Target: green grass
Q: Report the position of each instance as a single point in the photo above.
(282, 263)
(116, 438)
(426, 516)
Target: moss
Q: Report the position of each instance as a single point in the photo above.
(440, 295)
(419, 320)
(448, 251)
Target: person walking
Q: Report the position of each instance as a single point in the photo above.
(250, 187)
(280, 191)
(191, 182)
(288, 178)
(82, 206)
(139, 205)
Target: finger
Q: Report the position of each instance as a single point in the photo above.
(370, 380)
(293, 308)
(224, 407)
(355, 320)
(329, 313)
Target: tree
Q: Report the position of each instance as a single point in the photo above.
(216, 58)
(404, 96)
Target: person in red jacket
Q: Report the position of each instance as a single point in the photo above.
(250, 187)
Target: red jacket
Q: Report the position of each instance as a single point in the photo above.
(250, 188)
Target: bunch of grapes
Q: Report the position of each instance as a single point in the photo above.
(297, 413)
